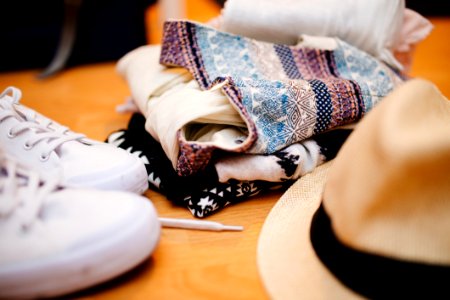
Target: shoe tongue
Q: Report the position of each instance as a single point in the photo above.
(25, 113)
(7, 103)
(8, 99)
(32, 116)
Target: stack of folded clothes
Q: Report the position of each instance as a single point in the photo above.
(225, 113)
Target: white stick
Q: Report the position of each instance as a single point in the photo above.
(198, 224)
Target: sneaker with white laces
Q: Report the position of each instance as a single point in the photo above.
(56, 240)
(50, 148)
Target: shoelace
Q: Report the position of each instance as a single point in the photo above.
(22, 191)
(44, 130)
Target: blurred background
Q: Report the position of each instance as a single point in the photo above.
(87, 31)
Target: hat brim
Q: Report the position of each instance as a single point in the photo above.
(287, 263)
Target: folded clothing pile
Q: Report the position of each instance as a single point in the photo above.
(232, 178)
(224, 116)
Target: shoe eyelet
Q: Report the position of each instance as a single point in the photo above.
(27, 146)
(10, 134)
(44, 157)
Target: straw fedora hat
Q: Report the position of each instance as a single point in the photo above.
(375, 222)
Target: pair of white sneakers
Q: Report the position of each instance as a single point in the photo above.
(70, 213)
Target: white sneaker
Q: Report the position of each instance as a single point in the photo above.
(56, 240)
(50, 148)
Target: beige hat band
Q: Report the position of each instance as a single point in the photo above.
(372, 275)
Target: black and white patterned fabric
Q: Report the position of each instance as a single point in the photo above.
(203, 193)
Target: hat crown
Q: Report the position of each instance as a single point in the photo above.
(388, 192)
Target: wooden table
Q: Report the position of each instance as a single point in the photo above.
(186, 264)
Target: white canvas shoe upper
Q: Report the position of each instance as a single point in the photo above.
(50, 148)
(56, 240)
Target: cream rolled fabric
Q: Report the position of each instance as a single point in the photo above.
(171, 100)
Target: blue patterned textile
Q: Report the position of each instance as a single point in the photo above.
(284, 93)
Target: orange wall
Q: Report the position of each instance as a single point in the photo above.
(195, 10)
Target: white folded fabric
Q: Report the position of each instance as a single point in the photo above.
(145, 76)
(171, 100)
(374, 26)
